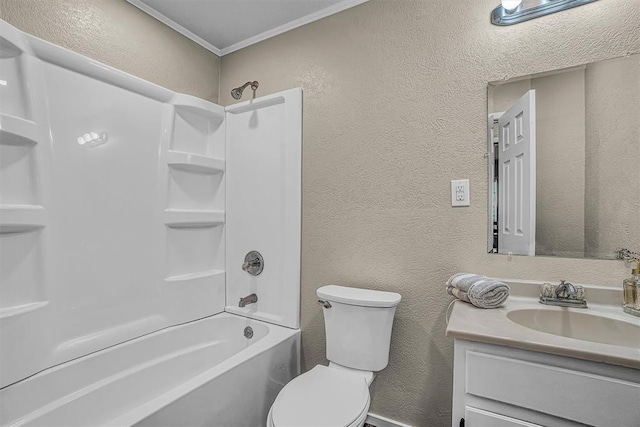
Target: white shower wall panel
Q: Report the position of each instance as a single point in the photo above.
(18, 183)
(147, 226)
(14, 88)
(99, 244)
(264, 150)
(105, 231)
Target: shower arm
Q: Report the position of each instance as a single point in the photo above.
(254, 85)
(236, 93)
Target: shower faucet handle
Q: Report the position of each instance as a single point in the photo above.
(253, 263)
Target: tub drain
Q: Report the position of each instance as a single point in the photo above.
(248, 332)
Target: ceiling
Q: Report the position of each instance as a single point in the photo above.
(224, 26)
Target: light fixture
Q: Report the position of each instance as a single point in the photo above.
(515, 11)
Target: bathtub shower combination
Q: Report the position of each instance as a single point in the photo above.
(127, 211)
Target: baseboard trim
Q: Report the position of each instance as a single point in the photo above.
(380, 421)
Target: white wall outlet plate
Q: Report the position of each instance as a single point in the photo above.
(460, 192)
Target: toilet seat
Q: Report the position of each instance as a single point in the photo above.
(322, 397)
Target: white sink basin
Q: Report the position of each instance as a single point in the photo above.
(581, 325)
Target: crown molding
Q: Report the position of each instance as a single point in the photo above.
(315, 16)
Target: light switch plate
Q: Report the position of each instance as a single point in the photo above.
(460, 192)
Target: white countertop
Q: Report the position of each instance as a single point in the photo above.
(493, 326)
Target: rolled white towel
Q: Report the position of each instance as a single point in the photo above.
(478, 290)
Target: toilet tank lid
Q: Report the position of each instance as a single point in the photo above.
(357, 296)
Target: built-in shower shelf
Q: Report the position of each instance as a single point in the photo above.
(20, 218)
(179, 218)
(192, 105)
(195, 276)
(8, 49)
(17, 310)
(17, 131)
(194, 162)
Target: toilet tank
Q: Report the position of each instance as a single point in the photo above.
(358, 326)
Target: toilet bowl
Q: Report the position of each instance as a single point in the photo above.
(358, 324)
(322, 397)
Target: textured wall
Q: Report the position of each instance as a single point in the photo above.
(394, 108)
(120, 35)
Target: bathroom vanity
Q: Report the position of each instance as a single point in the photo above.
(527, 364)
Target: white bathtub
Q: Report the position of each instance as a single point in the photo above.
(201, 373)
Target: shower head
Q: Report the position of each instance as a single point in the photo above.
(236, 93)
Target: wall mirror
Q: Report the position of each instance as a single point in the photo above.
(564, 161)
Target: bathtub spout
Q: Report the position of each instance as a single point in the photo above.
(250, 299)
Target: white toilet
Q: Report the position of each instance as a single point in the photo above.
(358, 325)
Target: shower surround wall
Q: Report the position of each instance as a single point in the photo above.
(108, 240)
(264, 203)
(89, 232)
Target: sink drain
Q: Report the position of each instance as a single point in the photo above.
(248, 332)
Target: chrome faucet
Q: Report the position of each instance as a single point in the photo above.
(249, 299)
(565, 290)
(564, 295)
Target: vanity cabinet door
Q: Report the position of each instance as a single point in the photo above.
(478, 418)
(544, 388)
(496, 386)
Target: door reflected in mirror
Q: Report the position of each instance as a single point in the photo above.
(564, 161)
